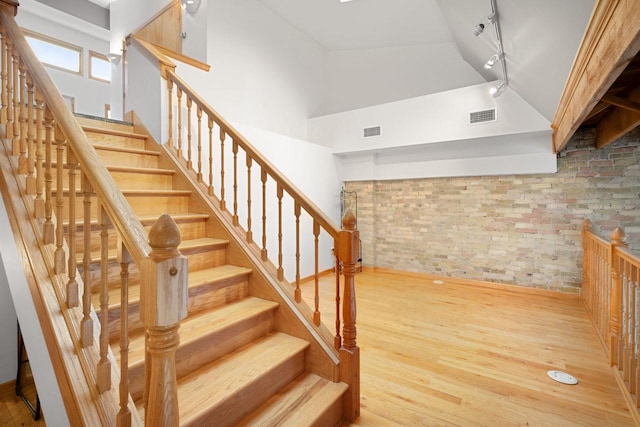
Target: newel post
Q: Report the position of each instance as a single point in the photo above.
(163, 304)
(615, 313)
(586, 264)
(348, 253)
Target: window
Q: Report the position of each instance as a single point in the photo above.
(99, 67)
(55, 53)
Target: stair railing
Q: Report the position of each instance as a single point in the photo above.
(234, 174)
(59, 173)
(611, 294)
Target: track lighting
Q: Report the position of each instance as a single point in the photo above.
(492, 61)
(191, 5)
(497, 90)
(479, 28)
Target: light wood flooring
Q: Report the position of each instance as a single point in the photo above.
(13, 411)
(463, 355)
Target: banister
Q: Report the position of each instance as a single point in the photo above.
(124, 220)
(286, 185)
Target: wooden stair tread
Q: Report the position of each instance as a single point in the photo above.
(147, 220)
(219, 382)
(126, 150)
(136, 193)
(303, 402)
(203, 243)
(208, 322)
(115, 132)
(133, 169)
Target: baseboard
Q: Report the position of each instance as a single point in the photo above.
(628, 398)
(481, 283)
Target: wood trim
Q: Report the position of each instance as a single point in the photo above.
(312, 277)
(154, 17)
(626, 396)
(611, 41)
(480, 283)
(619, 121)
(183, 58)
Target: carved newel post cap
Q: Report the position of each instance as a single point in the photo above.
(586, 225)
(618, 236)
(349, 220)
(164, 237)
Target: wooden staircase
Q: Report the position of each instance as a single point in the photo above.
(235, 365)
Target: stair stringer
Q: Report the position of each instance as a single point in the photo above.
(292, 318)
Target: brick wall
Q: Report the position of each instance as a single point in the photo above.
(516, 229)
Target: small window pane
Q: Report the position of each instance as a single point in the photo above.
(55, 55)
(100, 67)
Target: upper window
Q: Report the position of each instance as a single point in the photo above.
(99, 67)
(56, 53)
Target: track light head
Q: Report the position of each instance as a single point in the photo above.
(493, 60)
(497, 90)
(478, 29)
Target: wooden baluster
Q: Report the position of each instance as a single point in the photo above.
(60, 266)
(86, 324)
(170, 101)
(104, 365)
(4, 51)
(199, 115)
(234, 146)
(31, 139)
(189, 162)
(296, 213)
(48, 229)
(179, 92)
(72, 284)
(39, 200)
(624, 321)
(10, 107)
(316, 274)
(210, 189)
(249, 232)
(586, 261)
(631, 357)
(337, 342)
(223, 203)
(263, 178)
(615, 312)
(348, 252)
(163, 304)
(16, 102)
(22, 161)
(124, 415)
(280, 193)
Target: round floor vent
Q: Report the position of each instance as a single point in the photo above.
(562, 377)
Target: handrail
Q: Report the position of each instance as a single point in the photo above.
(37, 122)
(123, 218)
(289, 187)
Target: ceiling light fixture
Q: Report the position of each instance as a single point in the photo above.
(492, 61)
(499, 56)
(190, 5)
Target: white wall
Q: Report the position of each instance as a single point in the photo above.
(8, 336)
(90, 95)
(365, 77)
(264, 73)
(194, 25)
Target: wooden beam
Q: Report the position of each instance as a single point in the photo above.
(611, 41)
(619, 121)
(622, 103)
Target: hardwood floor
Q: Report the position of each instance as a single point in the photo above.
(461, 355)
(13, 411)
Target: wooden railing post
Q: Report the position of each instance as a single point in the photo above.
(615, 308)
(348, 253)
(586, 265)
(163, 304)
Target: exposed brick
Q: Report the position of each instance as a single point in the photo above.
(519, 229)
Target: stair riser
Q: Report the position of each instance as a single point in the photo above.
(247, 399)
(141, 205)
(102, 124)
(209, 296)
(208, 348)
(200, 259)
(126, 180)
(128, 159)
(116, 140)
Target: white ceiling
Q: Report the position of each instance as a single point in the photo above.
(540, 37)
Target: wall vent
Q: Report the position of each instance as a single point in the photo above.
(374, 131)
(482, 116)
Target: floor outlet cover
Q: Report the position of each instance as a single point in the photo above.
(562, 377)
